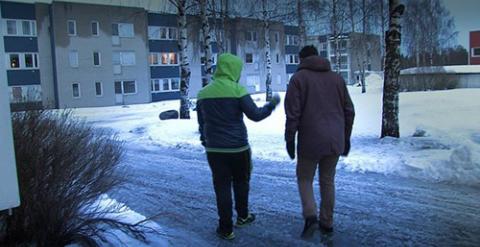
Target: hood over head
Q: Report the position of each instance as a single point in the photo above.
(228, 67)
(315, 63)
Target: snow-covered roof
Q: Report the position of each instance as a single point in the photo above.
(162, 6)
(453, 69)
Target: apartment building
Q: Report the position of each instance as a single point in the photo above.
(74, 54)
(357, 51)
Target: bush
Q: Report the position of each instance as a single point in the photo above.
(64, 166)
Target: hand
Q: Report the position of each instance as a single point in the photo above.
(347, 148)
(291, 149)
(275, 99)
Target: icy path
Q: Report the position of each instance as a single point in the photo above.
(371, 210)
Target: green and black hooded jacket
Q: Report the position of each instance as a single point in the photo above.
(221, 105)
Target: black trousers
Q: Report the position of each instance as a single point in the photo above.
(227, 168)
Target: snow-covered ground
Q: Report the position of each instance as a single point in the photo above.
(449, 151)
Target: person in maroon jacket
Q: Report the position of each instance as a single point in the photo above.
(319, 108)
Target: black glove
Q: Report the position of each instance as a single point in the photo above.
(347, 148)
(291, 149)
(273, 103)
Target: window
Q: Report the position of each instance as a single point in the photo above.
(21, 27)
(162, 33)
(26, 28)
(72, 27)
(476, 52)
(95, 28)
(14, 61)
(251, 36)
(17, 95)
(125, 87)
(96, 58)
(277, 37)
(23, 61)
(98, 89)
(291, 59)
(248, 58)
(165, 85)
(124, 30)
(124, 58)
(115, 29)
(76, 90)
(279, 79)
(292, 40)
(27, 93)
(214, 36)
(73, 59)
(163, 58)
(11, 27)
(277, 58)
(323, 46)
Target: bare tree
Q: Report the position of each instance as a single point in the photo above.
(390, 126)
(181, 6)
(207, 47)
(221, 14)
(429, 28)
(268, 64)
(301, 24)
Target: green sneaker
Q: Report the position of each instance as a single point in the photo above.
(241, 222)
(225, 235)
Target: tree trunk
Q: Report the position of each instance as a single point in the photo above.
(382, 18)
(301, 24)
(336, 35)
(352, 15)
(207, 47)
(390, 126)
(184, 65)
(268, 64)
(364, 45)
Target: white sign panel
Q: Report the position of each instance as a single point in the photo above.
(9, 195)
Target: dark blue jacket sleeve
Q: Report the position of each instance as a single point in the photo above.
(252, 111)
(200, 121)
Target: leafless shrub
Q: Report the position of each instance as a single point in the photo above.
(64, 166)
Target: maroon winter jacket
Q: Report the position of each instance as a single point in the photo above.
(318, 106)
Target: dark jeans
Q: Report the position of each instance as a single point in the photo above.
(227, 168)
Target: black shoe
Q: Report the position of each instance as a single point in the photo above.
(241, 222)
(311, 224)
(225, 235)
(325, 230)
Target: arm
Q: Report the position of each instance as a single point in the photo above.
(349, 112)
(253, 112)
(293, 110)
(200, 122)
(349, 115)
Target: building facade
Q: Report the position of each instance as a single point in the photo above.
(65, 54)
(474, 57)
(357, 52)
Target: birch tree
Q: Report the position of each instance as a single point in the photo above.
(207, 47)
(181, 6)
(390, 126)
(268, 64)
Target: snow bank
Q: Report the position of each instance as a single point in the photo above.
(454, 69)
(155, 235)
(449, 150)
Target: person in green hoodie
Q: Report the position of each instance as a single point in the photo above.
(220, 108)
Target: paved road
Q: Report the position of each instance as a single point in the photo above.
(371, 210)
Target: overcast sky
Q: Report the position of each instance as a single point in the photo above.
(467, 17)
